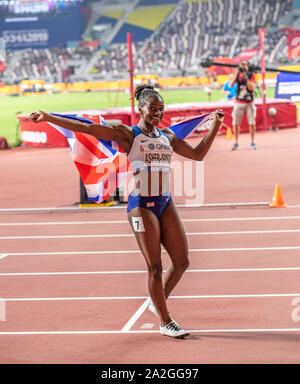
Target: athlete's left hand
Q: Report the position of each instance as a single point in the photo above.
(219, 116)
(38, 116)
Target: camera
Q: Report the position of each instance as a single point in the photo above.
(242, 69)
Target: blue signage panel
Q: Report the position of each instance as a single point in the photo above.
(42, 30)
(288, 85)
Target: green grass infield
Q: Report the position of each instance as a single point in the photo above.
(65, 102)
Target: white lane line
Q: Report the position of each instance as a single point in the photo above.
(65, 223)
(261, 218)
(64, 236)
(144, 271)
(136, 315)
(245, 249)
(241, 330)
(74, 298)
(252, 218)
(132, 235)
(137, 251)
(72, 273)
(74, 253)
(245, 330)
(82, 209)
(3, 255)
(261, 295)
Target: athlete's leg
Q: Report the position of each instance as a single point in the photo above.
(146, 228)
(174, 240)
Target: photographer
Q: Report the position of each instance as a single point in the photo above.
(244, 102)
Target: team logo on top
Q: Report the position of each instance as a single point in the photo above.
(163, 146)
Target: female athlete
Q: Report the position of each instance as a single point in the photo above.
(151, 211)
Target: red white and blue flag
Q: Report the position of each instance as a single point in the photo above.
(197, 123)
(102, 164)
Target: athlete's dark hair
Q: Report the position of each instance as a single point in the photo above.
(144, 92)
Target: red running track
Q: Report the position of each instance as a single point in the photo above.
(73, 293)
(73, 286)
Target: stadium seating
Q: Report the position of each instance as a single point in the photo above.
(220, 28)
(215, 28)
(142, 22)
(170, 37)
(54, 64)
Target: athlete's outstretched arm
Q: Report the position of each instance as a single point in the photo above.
(183, 148)
(119, 133)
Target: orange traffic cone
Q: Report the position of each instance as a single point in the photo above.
(229, 134)
(277, 201)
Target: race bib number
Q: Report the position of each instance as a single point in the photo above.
(138, 225)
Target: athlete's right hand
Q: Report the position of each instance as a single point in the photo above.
(38, 116)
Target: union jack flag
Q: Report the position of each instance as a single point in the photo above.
(102, 164)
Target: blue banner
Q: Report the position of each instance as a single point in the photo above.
(288, 86)
(42, 30)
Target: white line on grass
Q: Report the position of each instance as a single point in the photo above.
(132, 235)
(144, 271)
